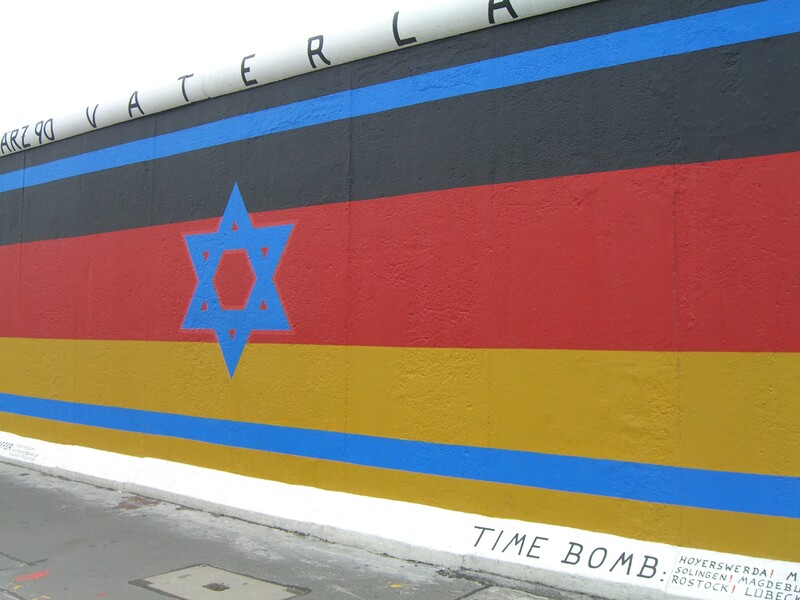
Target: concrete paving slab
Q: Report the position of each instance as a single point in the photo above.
(64, 540)
(9, 562)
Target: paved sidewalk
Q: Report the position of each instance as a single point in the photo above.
(63, 540)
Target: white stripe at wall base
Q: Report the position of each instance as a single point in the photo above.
(567, 559)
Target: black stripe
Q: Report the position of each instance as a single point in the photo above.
(545, 30)
(725, 104)
(11, 206)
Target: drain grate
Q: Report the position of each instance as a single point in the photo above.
(203, 582)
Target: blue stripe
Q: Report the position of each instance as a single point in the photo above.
(690, 34)
(738, 492)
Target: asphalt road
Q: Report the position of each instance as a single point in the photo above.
(64, 540)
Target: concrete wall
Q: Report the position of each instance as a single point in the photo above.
(546, 272)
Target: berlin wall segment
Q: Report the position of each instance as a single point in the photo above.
(593, 253)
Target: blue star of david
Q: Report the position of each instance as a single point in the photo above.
(263, 310)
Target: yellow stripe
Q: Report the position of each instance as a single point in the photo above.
(750, 535)
(721, 411)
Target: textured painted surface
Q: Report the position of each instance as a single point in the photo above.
(548, 274)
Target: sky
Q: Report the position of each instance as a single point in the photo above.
(58, 57)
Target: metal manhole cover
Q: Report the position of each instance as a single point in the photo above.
(203, 582)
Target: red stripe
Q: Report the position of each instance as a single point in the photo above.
(692, 257)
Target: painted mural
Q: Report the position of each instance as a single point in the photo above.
(548, 275)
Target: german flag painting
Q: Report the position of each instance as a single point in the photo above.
(548, 271)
